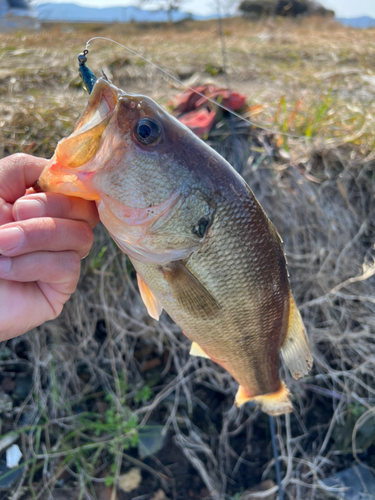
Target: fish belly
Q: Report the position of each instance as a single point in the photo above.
(242, 266)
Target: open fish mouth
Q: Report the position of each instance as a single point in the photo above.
(64, 172)
(82, 145)
(101, 105)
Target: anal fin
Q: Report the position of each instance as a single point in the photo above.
(154, 308)
(276, 403)
(196, 350)
(295, 349)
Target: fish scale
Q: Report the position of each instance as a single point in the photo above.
(224, 266)
(202, 246)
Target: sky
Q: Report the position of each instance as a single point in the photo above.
(351, 8)
(343, 8)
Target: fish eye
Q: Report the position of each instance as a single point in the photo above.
(147, 131)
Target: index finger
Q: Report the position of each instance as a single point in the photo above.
(55, 205)
(17, 173)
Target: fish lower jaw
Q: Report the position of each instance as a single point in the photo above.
(63, 182)
(149, 256)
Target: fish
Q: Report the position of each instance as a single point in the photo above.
(202, 246)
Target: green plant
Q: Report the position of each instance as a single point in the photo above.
(85, 443)
(97, 260)
(213, 70)
(343, 432)
(143, 394)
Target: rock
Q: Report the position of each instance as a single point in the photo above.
(160, 495)
(130, 480)
(353, 484)
(13, 455)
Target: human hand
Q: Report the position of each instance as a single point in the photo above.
(43, 236)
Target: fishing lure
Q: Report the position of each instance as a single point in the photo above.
(88, 77)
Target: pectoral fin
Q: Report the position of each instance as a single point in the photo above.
(189, 291)
(154, 308)
(274, 404)
(196, 350)
(295, 349)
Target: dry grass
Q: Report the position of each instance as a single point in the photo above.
(311, 79)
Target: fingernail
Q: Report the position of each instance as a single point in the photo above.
(5, 263)
(10, 239)
(28, 209)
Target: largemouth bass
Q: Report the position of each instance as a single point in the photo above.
(202, 246)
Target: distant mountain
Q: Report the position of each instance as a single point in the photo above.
(77, 13)
(358, 22)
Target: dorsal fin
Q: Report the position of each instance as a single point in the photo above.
(295, 349)
(189, 291)
(154, 308)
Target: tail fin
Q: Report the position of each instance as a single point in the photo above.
(274, 404)
(295, 349)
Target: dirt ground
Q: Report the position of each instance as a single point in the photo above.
(104, 388)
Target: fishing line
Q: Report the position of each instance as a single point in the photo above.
(192, 89)
(275, 456)
(227, 82)
(225, 65)
(232, 113)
